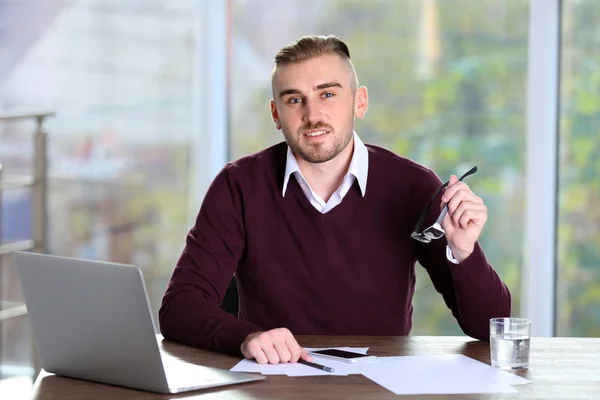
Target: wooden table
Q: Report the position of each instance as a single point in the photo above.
(560, 368)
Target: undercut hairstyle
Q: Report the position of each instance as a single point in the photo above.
(308, 47)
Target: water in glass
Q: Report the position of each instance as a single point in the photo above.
(510, 350)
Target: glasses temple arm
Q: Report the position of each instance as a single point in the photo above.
(427, 208)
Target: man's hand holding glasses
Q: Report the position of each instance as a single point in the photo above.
(461, 220)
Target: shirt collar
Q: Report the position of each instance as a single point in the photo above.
(359, 166)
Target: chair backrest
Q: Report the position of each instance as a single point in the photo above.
(230, 301)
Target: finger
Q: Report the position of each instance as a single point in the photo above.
(282, 351)
(459, 197)
(452, 189)
(294, 348)
(455, 202)
(292, 345)
(464, 207)
(447, 224)
(453, 179)
(266, 344)
(470, 196)
(279, 337)
(255, 351)
(305, 356)
(271, 354)
(295, 352)
(478, 217)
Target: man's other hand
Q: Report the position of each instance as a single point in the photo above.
(465, 218)
(273, 347)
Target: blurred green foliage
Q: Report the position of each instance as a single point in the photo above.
(447, 84)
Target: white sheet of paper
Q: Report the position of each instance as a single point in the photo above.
(296, 369)
(443, 374)
(413, 384)
(438, 374)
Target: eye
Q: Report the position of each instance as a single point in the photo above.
(328, 94)
(295, 100)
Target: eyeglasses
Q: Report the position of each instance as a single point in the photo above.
(435, 231)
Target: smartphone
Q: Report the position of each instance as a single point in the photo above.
(342, 355)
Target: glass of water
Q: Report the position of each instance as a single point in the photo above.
(509, 342)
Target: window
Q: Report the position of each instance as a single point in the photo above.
(119, 76)
(447, 88)
(578, 235)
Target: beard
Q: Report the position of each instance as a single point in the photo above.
(316, 153)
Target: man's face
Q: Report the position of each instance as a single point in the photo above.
(314, 107)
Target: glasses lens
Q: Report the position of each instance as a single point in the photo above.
(433, 232)
(420, 238)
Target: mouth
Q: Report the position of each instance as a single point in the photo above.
(315, 133)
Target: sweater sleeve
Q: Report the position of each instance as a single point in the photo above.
(190, 313)
(471, 289)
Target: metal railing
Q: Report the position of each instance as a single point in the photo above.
(38, 184)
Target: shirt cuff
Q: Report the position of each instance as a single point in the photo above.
(450, 256)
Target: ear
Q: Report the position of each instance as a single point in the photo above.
(275, 115)
(361, 102)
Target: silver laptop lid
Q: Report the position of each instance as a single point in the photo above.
(91, 320)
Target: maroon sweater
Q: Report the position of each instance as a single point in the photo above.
(350, 271)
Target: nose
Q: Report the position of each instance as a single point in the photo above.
(312, 111)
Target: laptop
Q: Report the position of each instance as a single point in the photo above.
(92, 321)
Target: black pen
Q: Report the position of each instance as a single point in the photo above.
(314, 365)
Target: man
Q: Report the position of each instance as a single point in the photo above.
(318, 230)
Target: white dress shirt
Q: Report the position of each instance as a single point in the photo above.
(358, 170)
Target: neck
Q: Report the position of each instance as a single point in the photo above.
(325, 178)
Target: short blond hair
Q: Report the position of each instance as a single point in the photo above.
(308, 47)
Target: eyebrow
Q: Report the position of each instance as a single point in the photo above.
(318, 87)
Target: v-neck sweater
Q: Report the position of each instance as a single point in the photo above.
(350, 271)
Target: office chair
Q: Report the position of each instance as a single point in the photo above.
(230, 300)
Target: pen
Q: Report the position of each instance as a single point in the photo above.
(314, 365)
